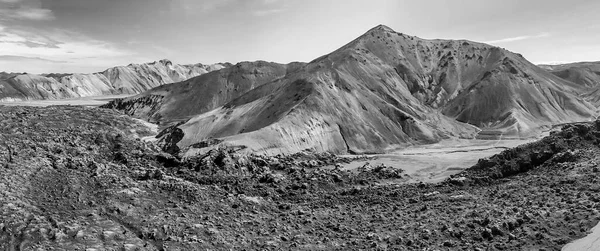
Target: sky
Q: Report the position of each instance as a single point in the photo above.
(42, 36)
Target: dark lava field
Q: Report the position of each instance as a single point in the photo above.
(74, 178)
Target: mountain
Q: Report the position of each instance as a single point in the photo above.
(585, 74)
(131, 79)
(381, 91)
(177, 102)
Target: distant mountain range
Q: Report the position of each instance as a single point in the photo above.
(585, 74)
(381, 91)
(131, 79)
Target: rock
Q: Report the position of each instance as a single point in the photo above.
(486, 233)
(566, 156)
(497, 231)
(459, 181)
(448, 244)
(271, 178)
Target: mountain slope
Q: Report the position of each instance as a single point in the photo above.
(180, 101)
(382, 90)
(131, 79)
(475, 83)
(585, 74)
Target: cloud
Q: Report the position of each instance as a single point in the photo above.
(556, 62)
(49, 47)
(268, 7)
(518, 38)
(195, 6)
(256, 8)
(12, 58)
(267, 12)
(24, 10)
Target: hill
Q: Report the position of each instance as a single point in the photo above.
(381, 91)
(131, 79)
(585, 74)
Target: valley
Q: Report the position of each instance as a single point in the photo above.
(390, 142)
(437, 162)
(97, 185)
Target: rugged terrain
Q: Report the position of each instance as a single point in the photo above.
(80, 178)
(130, 79)
(381, 91)
(585, 74)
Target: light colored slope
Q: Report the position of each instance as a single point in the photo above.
(584, 74)
(381, 91)
(180, 101)
(131, 79)
(326, 110)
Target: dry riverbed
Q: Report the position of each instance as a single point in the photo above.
(436, 162)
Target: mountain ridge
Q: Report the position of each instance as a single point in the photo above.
(380, 91)
(130, 79)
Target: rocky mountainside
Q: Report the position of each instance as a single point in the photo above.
(382, 90)
(76, 178)
(180, 101)
(585, 74)
(131, 79)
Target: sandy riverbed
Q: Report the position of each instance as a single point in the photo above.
(436, 162)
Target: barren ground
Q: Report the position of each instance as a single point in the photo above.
(94, 186)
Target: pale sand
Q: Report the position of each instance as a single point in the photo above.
(436, 162)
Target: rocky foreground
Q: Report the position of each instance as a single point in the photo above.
(76, 178)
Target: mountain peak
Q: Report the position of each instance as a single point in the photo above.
(165, 62)
(383, 28)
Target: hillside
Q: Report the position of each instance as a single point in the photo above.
(76, 178)
(180, 101)
(585, 74)
(382, 90)
(131, 79)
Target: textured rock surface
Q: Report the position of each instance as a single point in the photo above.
(383, 90)
(97, 186)
(131, 79)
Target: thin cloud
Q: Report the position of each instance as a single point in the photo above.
(194, 6)
(551, 62)
(261, 13)
(519, 38)
(268, 7)
(58, 45)
(13, 58)
(24, 10)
